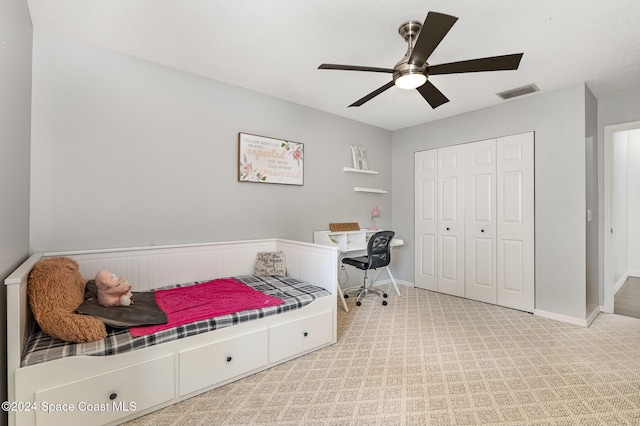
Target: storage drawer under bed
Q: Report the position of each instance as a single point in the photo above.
(300, 336)
(107, 397)
(214, 363)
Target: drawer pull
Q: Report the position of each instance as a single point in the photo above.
(229, 359)
(113, 396)
(305, 334)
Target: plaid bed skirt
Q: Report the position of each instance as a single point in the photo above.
(41, 347)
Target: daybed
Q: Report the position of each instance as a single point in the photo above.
(111, 389)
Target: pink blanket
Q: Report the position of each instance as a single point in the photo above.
(207, 300)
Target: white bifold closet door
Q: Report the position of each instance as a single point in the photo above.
(474, 221)
(515, 218)
(426, 219)
(480, 221)
(450, 235)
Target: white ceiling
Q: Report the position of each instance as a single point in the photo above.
(275, 46)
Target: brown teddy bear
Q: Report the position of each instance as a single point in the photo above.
(113, 291)
(56, 289)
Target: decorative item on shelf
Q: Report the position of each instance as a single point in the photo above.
(359, 156)
(374, 214)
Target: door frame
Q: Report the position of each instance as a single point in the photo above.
(608, 284)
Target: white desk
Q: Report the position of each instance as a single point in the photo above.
(352, 242)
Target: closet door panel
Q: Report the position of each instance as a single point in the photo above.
(480, 221)
(515, 209)
(426, 225)
(449, 256)
(450, 223)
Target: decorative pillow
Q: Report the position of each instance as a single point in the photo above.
(270, 263)
(143, 311)
(55, 289)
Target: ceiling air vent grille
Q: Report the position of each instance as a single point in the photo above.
(518, 91)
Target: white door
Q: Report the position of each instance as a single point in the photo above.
(426, 202)
(515, 220)
(480, 221)
(450, 255)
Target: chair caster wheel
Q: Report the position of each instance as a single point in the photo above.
(385, 295)
(346, 296)
(384, 303)
(358, 303)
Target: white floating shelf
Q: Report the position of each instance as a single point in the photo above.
(375, 190)
(351, 169)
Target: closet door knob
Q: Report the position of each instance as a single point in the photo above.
(482, 230)
(447, 229)
(113, 396)
(229, 359)
(305, 334)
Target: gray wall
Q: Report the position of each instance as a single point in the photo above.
(621, 109)
(620, 215)
(15, 102)
(558, 119)
(126, 152)
(591, 182)
(634, 203)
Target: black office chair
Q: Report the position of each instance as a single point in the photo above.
(378, 256)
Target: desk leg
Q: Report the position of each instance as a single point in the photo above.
(393, 280)
(340, 292)
(341, 296)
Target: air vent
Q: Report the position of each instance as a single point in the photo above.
(518, 91)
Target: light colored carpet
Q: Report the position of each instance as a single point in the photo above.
(432, 359)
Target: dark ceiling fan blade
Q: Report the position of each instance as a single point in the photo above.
(494, 63)
(372, 94)
(431, 94)
(353, 68)
(436, 26)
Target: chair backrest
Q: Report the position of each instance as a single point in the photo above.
(379, 249)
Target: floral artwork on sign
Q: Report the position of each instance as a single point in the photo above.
(268, 160)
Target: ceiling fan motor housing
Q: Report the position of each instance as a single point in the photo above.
(409, 31)
(404, 68)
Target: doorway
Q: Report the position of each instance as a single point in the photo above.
(621, 202)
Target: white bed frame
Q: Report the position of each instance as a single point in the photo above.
(116, 388)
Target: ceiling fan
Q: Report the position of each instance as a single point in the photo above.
(413, 71)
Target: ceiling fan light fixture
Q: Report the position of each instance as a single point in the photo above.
(410, 80)
(413, 70)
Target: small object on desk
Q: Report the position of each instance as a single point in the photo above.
(374, 213)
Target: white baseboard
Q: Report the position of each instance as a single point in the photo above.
(562, 318)
(635, 274)
(405, 283)
(593, 315)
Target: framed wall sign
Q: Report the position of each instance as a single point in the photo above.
(268, 160)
